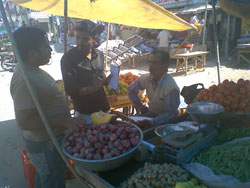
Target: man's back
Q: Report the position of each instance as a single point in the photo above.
(163, 37)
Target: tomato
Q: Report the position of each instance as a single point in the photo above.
(225, 81)
(241, 82)
(243, 90)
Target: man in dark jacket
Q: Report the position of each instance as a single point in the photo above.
(83, 72)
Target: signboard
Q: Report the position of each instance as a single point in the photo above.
(173, 3)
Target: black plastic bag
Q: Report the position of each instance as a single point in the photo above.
(190, 92)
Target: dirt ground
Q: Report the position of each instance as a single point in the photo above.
(11, 170)
(228, 70)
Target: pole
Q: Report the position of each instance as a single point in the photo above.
(107, 41)
(216, 41)
(65, 24)
(8, 9)
(205, 24)
(227, 40)
(35, 98)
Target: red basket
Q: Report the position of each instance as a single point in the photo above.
(30, 171)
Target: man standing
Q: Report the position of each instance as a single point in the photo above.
(161, 89)
(83, 72)
(163, 38)
(33, 46)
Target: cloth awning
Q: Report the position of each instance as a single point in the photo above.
(238, 8)
(137, 13)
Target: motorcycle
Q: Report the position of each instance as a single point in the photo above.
(8, 61)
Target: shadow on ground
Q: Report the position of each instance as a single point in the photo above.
(11, 144)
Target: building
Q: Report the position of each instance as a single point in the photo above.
(229, 27)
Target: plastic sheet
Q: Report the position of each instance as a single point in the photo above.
(207, 176)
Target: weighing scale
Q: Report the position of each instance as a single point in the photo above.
(180, 146)
(180, 142)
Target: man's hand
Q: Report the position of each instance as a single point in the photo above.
(143, 109)
(75, 123)
(145, 124)
(107, 79)
(98, 82)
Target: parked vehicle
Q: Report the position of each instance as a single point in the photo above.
(8, 61)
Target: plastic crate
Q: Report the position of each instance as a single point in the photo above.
(30, 171)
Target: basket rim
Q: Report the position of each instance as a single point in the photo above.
(104, 160)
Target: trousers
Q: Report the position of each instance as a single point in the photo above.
(50, 167)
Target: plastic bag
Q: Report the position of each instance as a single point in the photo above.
(190, 92)
(207, 176)
(194, 19)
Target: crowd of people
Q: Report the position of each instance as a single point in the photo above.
(84, 79)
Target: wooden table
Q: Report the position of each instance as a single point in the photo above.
(199, 60)
(243, 50)
(125, 104)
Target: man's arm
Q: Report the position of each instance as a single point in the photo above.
(133, 90)
(29, 119)
(172, 102)
(69, 77)
(70, 81)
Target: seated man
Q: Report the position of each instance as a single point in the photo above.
(161, 89)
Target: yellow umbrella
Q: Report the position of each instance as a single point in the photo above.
(137, 13)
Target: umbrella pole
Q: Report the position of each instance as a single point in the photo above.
(65, 24)
(205, 24)
(216, 41)
(72, 169)
(107, 41)
(34, 96)
(227, 40)
(8, 9)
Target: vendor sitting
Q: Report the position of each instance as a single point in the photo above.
(161, 89)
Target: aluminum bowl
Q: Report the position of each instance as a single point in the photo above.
(167, 129)
(205, 112)
(103, 164)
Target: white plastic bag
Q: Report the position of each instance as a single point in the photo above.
(206, 175)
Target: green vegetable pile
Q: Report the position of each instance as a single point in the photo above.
(233, 133)
(231, 159)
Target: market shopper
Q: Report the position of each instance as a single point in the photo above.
(161, 89)
(35, 51)
(83, 72)
(163, 39)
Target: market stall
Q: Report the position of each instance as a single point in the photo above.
(243, 51)
(124, 155)
(181, 154)
(100, 10)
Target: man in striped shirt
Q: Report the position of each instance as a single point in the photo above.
(161, 89)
